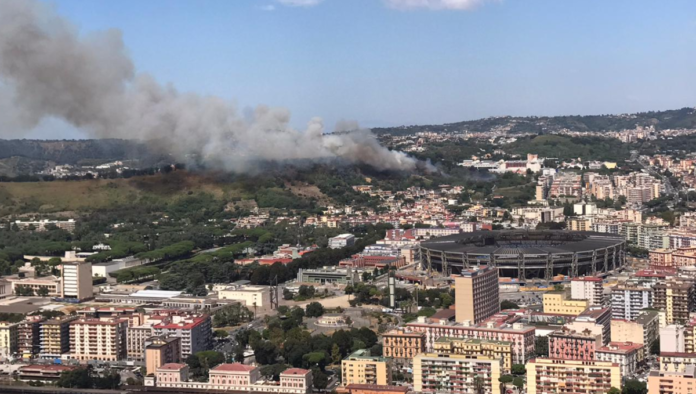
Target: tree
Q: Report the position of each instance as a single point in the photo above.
(519, 383)
(541, 346)
(266, 353)
(634, 386)
(348, 290)
(42, 292)
(506, 379)
(518, 369)
(320, 379)
(78, 378)
(335, 354)
(314, 309)
(221, 334)
(655, 346)
(614, 390)
(508, 305)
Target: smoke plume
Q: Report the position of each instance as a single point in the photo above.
(48, 69)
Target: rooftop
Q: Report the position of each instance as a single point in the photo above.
(295, 371)
(234, 367)
(172, 367)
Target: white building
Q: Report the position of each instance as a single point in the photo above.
(250, 296)
(628, 300)
(587, 288)
(342, 241)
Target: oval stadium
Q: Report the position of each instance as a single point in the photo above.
(526, 254)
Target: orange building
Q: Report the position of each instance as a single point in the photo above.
(161, 351)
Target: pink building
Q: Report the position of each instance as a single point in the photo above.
(572, 345)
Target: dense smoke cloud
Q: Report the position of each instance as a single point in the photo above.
(47, 69)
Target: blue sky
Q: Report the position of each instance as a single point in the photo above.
(383, 65)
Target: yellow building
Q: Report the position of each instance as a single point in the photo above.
(362, 368)
(557, 302)
(55, 336)
(672, 382)
(450, 373)
(400, 344)
(644, 330)
(676, 362)
(580, 377)
(9, 339)
(579, 224)
(471, 347)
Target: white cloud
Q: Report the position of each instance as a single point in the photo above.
(434, 4)
(269, 8)
(300, 3)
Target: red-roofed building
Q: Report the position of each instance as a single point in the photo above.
(195, 332)
(43, 373)
(263, 261)
(626, 354)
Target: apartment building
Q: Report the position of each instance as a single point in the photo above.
(472, 347)
(644, 330)
(195, 332)
(402, 345)
(8, 340)
(135, 340)
(55, 336)
(587, 288)
(362, 368)
(103, 340)
(676, 362)
(160, 351)
(375, 389)
(572, 345)
(629, 299)
(476, 294)
(557, 302)
(676, 298)
(454, 373)
(29, 336)
(596, 320)
(234, 378)
(673, 382)
(579, 224)
(626, 354)
(573, 376)
(76, 280)
(521, 336)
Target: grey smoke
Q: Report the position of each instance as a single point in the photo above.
(48, 69)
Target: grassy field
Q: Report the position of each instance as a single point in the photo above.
(88, 195)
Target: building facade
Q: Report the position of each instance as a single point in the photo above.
(55, 336)
(451, 373)
(573, 376)
(9, 339)
(476, 294)
(559, 303)
(160, 351)
(474, 347)
(362, 368)
(103, 340)
(587, 288)
(402, 345)
(76, 280)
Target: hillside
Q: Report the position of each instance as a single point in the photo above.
(153, 191)
(671, 119)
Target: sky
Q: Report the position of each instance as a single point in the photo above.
(403, 62)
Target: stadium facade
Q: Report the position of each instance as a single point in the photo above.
(526, 254)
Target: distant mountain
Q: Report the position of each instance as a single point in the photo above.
(684, 118)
